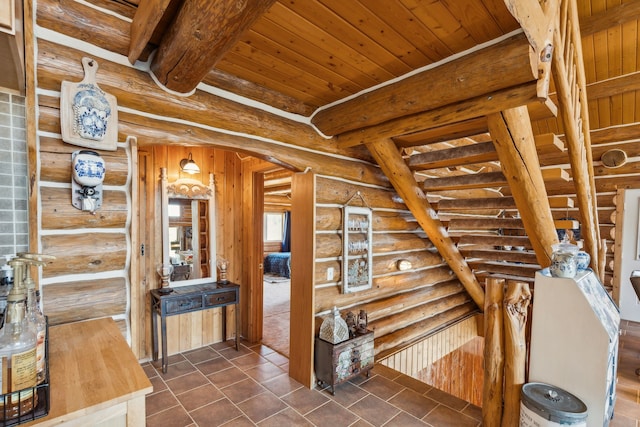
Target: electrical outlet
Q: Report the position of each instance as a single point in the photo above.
(330, 273)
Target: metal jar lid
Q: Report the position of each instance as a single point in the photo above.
(553, 403)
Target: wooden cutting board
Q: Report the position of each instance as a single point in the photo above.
(88, 115)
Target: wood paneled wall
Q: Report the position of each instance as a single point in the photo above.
(450, 360)
(193, 330)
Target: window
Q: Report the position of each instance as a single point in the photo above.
(273, 226)
(174, 211)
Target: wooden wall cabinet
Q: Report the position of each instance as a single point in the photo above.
(337, 363)
(12, 68)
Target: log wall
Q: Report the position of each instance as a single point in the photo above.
(90, 277)
(99, 253)
(402, 306)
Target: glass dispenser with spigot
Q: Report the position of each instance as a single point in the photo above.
(18, 373)
(35, 317)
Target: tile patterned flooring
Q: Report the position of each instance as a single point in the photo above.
(217, 386)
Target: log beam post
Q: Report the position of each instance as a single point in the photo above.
(503, 65)
(513, 138)
(201, 34)
(516, 304)
(493, 353)
(148, 15)
(538, 22)
(386, 154)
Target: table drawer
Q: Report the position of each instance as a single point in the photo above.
(185, 304)
(220, 298)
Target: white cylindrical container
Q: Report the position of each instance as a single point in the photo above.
(544, 405)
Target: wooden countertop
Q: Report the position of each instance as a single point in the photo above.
(92, 369)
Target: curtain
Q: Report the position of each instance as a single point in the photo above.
(286, 233)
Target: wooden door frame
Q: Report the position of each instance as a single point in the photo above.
(619, 231)
(253, 247)
(142, 271)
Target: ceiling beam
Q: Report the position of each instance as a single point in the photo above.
(493, 68)
(247, 89)
(625, 12)
(513, 139)
(538, 20)
(202, 32)
(392, 164)
(148, 15)
(439, 117)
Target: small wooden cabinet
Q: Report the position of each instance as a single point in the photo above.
(337, 363)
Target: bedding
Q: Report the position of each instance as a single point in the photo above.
(278, 263)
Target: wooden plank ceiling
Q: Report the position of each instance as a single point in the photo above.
(324, 59)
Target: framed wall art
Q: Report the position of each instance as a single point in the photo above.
(357, 263)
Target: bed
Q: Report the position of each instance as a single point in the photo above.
(278, 263)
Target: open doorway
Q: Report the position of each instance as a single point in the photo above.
(277, 261)
(627, 251)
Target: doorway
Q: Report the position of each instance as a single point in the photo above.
(277, 258)
(627, 251)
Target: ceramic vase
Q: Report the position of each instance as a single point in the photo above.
(583, 259)
(334, 329)
(563, 260)
(88, 168)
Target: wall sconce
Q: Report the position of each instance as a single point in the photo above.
(189, 166)
(404, 264)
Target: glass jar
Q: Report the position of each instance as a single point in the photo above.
(563, 260)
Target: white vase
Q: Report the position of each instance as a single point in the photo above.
(334, 328)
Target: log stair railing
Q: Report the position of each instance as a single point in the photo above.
(570, 81)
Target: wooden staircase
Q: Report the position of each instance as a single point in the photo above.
(482, 158)
(470, 194)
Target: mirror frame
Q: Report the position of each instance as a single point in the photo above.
(191, 189)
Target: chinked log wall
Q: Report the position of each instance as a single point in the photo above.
(90, 277)
(402, 306)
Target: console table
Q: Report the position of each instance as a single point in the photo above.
(185, 299)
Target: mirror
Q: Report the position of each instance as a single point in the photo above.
(188, 230)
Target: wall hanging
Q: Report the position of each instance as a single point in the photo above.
(86, 181)
(88, 115)
(357, 236)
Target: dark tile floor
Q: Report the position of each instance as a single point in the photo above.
(216, 385)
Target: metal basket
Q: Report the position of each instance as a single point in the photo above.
(38, 398)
